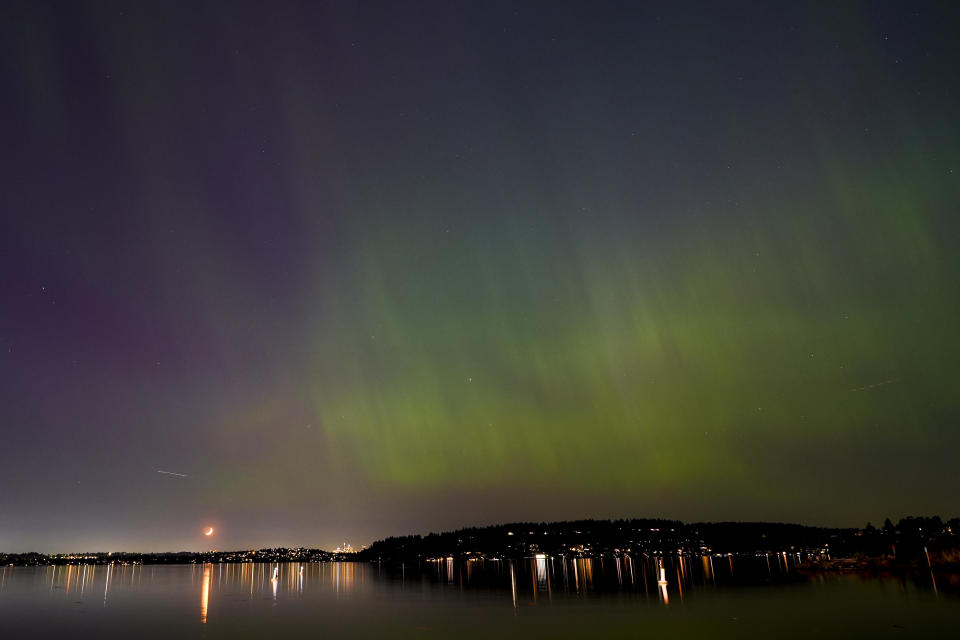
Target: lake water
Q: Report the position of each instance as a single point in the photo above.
(531, 598)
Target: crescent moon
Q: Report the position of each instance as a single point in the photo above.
(208, 532)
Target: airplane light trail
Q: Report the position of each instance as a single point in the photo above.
(876, 384)
(171, 473)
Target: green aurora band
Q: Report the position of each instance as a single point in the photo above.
(751, 357)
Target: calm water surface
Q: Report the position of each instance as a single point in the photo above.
(533, 598)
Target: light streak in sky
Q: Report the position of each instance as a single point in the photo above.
(171, 473)
(876, 384)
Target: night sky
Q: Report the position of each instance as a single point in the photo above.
(364, 269)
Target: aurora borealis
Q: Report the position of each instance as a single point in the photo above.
(363, 269)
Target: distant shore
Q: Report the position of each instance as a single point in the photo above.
(912, 543)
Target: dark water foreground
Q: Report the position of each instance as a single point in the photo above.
(760, 597)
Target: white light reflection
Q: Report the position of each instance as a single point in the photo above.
(106, 587)
(662, 582)
(540, 564)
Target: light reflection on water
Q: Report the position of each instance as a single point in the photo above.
(629, 590)
(644, 575)
(205, 593)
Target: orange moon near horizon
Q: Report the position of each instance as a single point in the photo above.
(208, 532)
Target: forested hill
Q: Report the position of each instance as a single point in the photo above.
(591, 537)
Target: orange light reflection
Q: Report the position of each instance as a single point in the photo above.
(205, 594)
